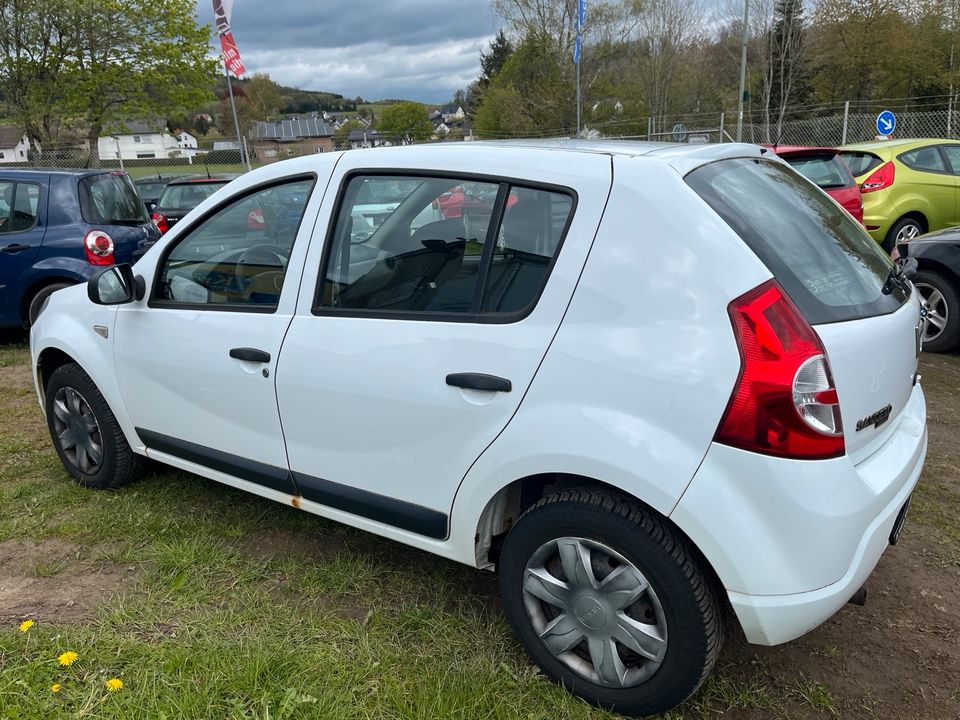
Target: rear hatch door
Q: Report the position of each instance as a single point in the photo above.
(835, 273)
(109, 202)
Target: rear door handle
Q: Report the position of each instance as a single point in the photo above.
(250, 355)
(479, 381)
(15, 248)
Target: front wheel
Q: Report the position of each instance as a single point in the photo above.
(85, 432)
(610, 602)
(941, 331)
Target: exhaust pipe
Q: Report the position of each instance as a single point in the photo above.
(859, 597)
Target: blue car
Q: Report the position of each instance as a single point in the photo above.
(57, 228)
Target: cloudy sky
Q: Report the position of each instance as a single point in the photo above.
(415, 49)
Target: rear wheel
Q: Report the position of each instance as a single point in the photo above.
(36, 302)
(941, 331)
(85, 432)
(610, 602)
(906, 228)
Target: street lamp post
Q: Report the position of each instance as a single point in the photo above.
(744, 37)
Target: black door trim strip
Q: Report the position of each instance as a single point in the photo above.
(387, 510)
(260, 473)
(380, 508)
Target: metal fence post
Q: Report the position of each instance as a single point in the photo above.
(846, 117)
(720, 136)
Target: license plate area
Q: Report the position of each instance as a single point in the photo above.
(900, 522)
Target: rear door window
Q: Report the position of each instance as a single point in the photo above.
(925, 159)
(823, 258)
(110, 199)
(860, 163)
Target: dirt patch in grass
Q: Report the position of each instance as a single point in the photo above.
(56, 581)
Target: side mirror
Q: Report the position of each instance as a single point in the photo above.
(115, 285)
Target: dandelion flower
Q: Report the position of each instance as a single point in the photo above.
(68, 658)
(26, 625)
(55, 687)
(114, 684)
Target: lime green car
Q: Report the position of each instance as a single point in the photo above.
(909, 187)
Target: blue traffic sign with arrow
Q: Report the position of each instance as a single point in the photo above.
(886, 122)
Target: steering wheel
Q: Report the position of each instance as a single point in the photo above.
(266, 256)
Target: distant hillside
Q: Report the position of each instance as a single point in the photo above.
(294, 101)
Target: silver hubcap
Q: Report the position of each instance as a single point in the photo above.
(908, 232)
(595, 612)
(937, 311)
(78, 433)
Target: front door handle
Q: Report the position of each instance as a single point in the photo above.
(15, 248)
(479, 381)
(250, 355)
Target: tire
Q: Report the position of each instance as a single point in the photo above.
(940, 295)
(36, 302)
(101, 458)
(903, 229)
(679, 612)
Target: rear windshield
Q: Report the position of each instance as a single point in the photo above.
(860, 163)
(188, 195)
(110, 199)
(825, 171)
(823, 258)
(151, 189)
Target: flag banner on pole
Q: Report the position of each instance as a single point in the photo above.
(581, 13)
(577, 46)
(222, 10)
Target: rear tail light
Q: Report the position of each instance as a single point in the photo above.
(881, 178)
(161, 222)
(785, 402)
(98, 247)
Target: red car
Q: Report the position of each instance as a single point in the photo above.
(824, 167)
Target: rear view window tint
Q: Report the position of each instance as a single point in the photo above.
(187, 196)
(823, 258)
(825, 171)
(110, 199)
(927, 159)
(860, 163)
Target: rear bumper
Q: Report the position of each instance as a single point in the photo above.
(792, 541)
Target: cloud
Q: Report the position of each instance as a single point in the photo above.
(417, 49)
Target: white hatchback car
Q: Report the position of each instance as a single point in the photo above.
(635, 379)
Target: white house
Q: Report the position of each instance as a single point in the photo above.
(187, 143)
(139, 140)
(453, 114)
(14, 145)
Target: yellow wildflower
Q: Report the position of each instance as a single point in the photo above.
(26, 625)
(114, 684)
(55, 687)
(68, 658)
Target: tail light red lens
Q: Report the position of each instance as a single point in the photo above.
(161, 222)
(98, 247)
(785, 403)
(881, 178)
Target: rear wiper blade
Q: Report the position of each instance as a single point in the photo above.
(899, 276)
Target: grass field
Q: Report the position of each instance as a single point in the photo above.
(209, 603)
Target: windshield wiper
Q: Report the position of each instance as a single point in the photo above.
(900, 274)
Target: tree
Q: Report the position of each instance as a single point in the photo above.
(36, 37)
(136, 58)
(406, 122)
(492, 61)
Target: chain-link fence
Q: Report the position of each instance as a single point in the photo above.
(163, 156)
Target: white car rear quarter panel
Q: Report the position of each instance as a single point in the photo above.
(632, 389)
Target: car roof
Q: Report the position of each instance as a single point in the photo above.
(904, 144)
(76, 172)
(197, 180)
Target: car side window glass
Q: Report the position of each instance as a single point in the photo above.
(6, 206)
(953, 157)
(25, 203)
(238, 256)
(926, 159)
(408, 244)
(526, 246)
